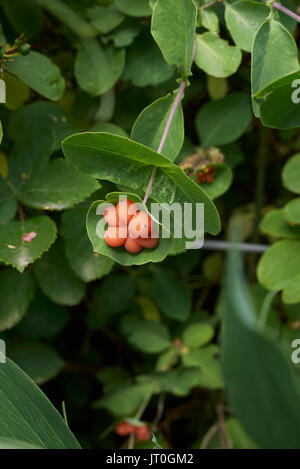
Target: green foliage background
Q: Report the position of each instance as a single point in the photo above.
(157, 339)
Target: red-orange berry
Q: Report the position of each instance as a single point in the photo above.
(148, 243)
(140, 225)
(115, 236)
(125, 210)
(131, 245)
(142, 433)
(110, 216)
(124, 428)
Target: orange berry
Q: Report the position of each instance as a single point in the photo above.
(148, 243)
(132, 246)
(142, 433)
(124, 428)
(110, 216)
(140, 225)
(115, 236)
(126, 209)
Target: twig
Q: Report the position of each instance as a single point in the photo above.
(286, 11)
(208, 436)
(159, 412)
(167, 128)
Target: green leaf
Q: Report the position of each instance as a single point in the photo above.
(39, 73)
(86, 263)
(197, 334)
(120, 255)
(207, 360)
(40, 361)
(37, 129)
(105, 19)
(116, 293)
(145, 64)
(124, 400)
(150, 337)
(10, 443)
(275, 224)
(222, 181)
(124, 35)
(44, 319)
(171, 295)
(134, 7)
(22, 242)
(97, 68)
(291, 174)
(262, 372)
(244, 19)
(238, 435)
(209, 20)
(173, 28)
(27, 415)
(17, 92)
(178, 381)
(128, 163)
(14, 301)
(279, 108)
(26, 16)
(224, 120)
(149, 127)
(291, 213)
(56, 279)
(272, 40)
(57, 186)
(109, 128)
(69, 17)
(279, 269)
(8, 204)
(215, 56)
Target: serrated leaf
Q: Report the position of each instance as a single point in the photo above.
(56, 279)
(215, 56)
(8, 203)
(16, 292)
(173, 28)
(128, 163)
(97, 68)
(149, 127)
(39, 73)
(271, 40)
(26, 414)
(171, 295)
(57, 186)
(18, 251)
(224, 120)
(244, 19)
(40, 361)
(86, 263)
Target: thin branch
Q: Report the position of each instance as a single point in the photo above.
(286, 11)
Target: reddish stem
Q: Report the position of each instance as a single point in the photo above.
(286, 11)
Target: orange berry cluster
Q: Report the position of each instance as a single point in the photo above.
(129, 227)
(125, 428)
